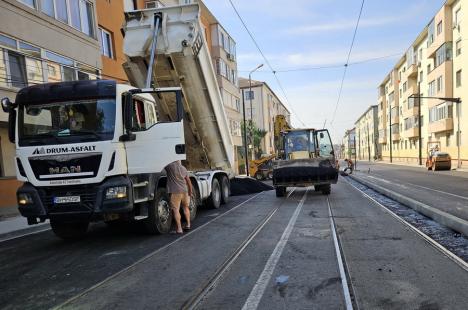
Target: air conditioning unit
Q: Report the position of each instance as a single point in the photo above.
(153, 4)
(230, 57)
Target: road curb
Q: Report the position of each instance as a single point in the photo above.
(444, 218)
(24, 231)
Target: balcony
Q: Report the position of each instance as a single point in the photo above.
(414, 111)
(383, 140)
(396, 136)
(442, 125)
(412, 71)
(395, 119)
(411, 132)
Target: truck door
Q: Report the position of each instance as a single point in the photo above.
(324, 145)
(156, 144)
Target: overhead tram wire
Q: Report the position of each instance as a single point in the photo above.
(267, 63)
(347, 63)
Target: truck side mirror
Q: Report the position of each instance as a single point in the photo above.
(12, 125)
(127, 108)
(7, 105)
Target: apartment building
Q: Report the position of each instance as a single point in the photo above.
(348, 145)
(262, 105)
(367, 134)
(41, 41)
(433, 66)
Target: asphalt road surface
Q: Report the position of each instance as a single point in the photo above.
(258, 251)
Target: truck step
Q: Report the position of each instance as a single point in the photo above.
(140, 217)
(141, 184)
(141, 200)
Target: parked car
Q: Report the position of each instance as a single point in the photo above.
(439, 161)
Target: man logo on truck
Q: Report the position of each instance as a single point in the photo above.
(63, 170)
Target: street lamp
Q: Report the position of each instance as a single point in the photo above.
(449, 99)
(250, 97)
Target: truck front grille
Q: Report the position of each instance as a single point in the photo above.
(87, 202)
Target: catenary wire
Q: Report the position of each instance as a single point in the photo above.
(267, 63)
(340, 92)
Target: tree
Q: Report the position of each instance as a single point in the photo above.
(256, 134)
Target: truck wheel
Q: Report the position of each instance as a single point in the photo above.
(214, 201)
(225, 190)
(326, 189)
(280, 191)
(317, 188)
(193, 205)
(159, 219)
(69, 231)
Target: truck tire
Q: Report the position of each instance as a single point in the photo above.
(225, 190)
(69, 231)
(280, 191)
(317, 188)
(326, 189)
(214, 201)
(194, 204)
(159, 219)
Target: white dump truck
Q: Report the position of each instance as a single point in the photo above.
(96, 150)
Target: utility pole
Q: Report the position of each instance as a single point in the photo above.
(251, 97)
(458, 132)
(368, 141)
(419, 123)
(390, 131)
(246, 148)
(355, 153)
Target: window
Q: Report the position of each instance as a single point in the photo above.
(61, 10)
(54, 73)
(400, 93)
(48, 7)
(144, 114)
(440, 112)
(68, 74)
(3, 70)
(87, 18)
(29, 49)
(439, 28)
(458, 78)
(458, 47)
(31, 3)
(34, 71)
(75, 14)
(58, 58)
(443, 53)
(428, 69)
(235, 128)
(457, 17)
(447, 140)
(405, 85)
(391, 97)
(237, 104)
(7, 42)
(17, 70)
(430, 33)
(249, 95)
(106, 43)
(431, 90)
(440, 84)
(420, 76)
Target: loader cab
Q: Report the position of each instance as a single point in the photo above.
(307, 143)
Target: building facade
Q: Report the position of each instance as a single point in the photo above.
(367, 134)
(110, 20)
(43, 41)
(433, 66)
(348, 146)
(262, 105)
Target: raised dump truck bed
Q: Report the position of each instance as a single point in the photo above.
(182, 59)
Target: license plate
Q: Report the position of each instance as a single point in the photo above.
(67, 199)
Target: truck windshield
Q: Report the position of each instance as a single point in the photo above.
(66, 122)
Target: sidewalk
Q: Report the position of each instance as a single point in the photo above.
(454, 169)
(12, 224)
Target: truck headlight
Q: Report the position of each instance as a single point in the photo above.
(25, 199)
(116, 192)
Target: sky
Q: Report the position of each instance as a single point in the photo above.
(298, 34)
